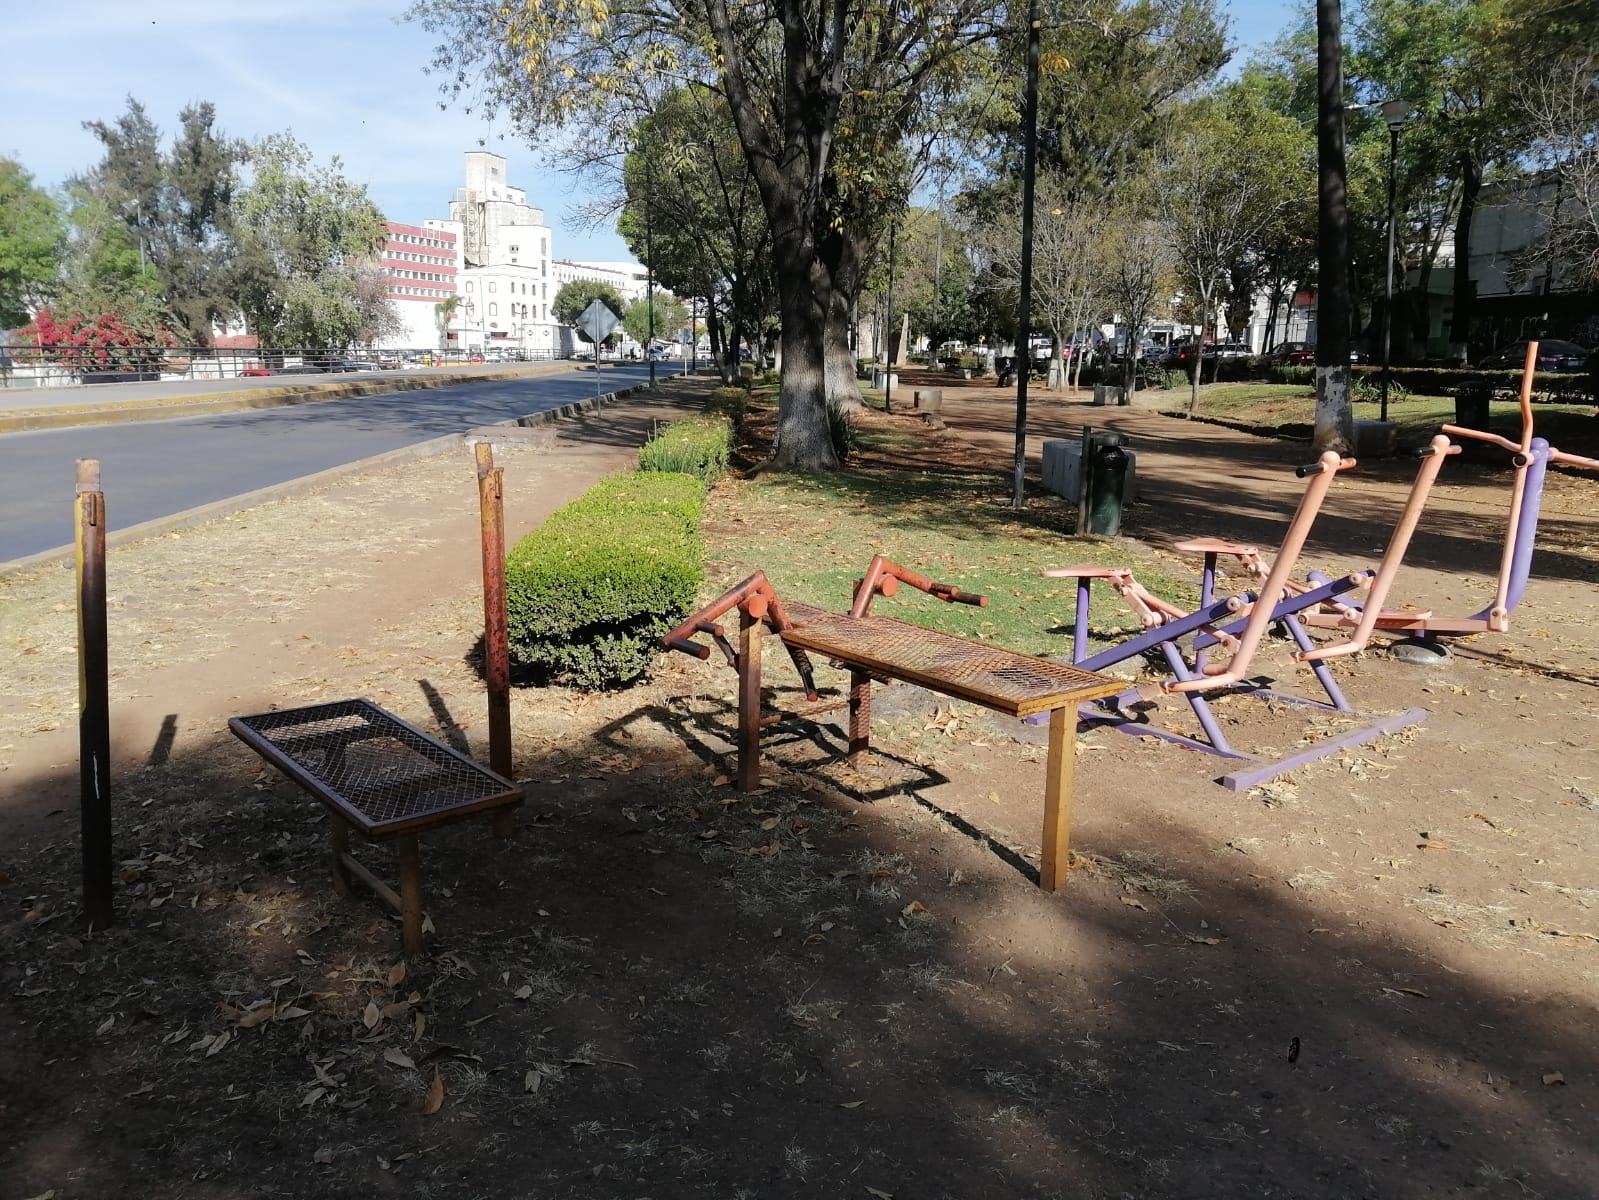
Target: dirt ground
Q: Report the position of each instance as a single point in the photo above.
(1372, 978)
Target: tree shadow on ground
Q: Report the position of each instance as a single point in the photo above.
(658, 987)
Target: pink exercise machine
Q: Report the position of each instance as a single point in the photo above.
(1531, 457)
(1238, 624)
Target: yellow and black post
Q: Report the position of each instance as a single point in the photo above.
(94, 705)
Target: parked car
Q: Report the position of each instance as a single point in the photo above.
(256, 369)
(1229, 350)
(1292, 354)
(1553, 355)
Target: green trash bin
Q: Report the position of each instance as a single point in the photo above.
(1104, 475)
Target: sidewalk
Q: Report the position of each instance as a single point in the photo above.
(246, 612)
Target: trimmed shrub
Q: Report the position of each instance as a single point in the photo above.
(590, 591)
(698, 446)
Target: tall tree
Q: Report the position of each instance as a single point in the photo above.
(1068, 272)
(1561, 108)
(1453, 60)
(693, 210)
(32, 240)
(1140, 273)
(666, 317)
(1218, 188)
(810, 84)
(577, 294)
(176, 206)
(303, 232)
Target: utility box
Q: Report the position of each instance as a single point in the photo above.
(1063, 471)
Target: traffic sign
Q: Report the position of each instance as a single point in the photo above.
(598, 321)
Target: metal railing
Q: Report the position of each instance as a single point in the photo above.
(23, 366)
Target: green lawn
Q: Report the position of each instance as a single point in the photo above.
(1288, 404)
(814, 536)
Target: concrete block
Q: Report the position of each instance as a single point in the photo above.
(1063, 467)
(929, 399)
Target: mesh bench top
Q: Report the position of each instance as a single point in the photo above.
(1003, 680)
(384, 776)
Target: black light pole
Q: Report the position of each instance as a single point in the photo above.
(1024, 349)
(649, 270)
(1334, 430)
(888, 371)
(1394, 112)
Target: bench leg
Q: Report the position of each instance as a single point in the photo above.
(411, 893)
(749, 703)
(1058, 798)
(860, 714)
(339, 836)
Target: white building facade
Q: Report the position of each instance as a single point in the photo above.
(628, 278)
(503, 279)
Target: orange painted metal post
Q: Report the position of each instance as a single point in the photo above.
(94, 705)
(860, 714)
(749, 701)
(1055, 852)
(496, 638)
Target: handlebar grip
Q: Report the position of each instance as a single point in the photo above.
(958, 597)
(687, 647)
(1321, 464)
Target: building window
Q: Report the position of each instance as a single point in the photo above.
(491, 285)
(494, 310)
(469, 285)
(515, 249)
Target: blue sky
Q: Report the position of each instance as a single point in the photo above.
(344, 75)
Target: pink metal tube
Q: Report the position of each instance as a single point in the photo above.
(1272, 590)
(1438, 450)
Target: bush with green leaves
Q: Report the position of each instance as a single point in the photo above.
(841, 428)
(590, 592)
(697, 446)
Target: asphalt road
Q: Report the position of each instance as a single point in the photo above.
(152, 469)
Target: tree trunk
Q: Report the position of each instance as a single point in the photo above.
(1199, 353)
(1465, 292)
(842, 390)
(804, 438)
(839, 367)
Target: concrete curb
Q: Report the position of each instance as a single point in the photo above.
(293, 487)
(216, 403)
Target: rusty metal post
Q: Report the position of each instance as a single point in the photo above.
(749, 701)
(94, 705)
(496, 637)
(860, 714)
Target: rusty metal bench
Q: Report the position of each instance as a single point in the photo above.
(882, 649)
(382, 777)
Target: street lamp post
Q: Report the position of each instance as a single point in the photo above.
(1024, 346)
(1394, 112)
(467, 309)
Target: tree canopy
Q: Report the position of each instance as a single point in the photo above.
(577, 294)
(32, 237)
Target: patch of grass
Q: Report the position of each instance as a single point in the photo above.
(1295, 404)
(815, 535)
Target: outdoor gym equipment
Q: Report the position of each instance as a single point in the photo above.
(1238, 624)
(1531, 457)
(883, 650)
